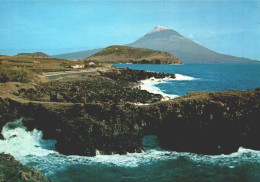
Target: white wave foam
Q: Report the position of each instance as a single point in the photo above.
(20, 142)
(150, 85)
(141, 104)
(29, 147)
(155, 155)
(181, 77)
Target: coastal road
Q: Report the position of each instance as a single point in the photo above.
(61, 74)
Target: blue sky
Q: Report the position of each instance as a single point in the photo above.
(61, 26)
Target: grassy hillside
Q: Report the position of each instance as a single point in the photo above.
(125, 54)
(35, 54)
(37, 64)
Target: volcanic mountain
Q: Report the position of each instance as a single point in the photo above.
(77, 55)
(168, 40)
(125, 54)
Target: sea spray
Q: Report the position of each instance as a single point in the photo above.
(180, 77)
(151, 84)
(20, 142)
(29, 148)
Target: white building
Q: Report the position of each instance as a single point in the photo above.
(92, 64)
(78, 66)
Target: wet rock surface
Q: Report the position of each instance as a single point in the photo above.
(12, 170)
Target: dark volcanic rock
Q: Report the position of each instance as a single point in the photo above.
(212, 123)
(134, 75)
(12, 170)
(201, 122)
(98, 113)
(115, 86)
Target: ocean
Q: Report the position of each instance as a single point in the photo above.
(203, 76)
(155, 164)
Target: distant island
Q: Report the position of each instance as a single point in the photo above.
(126, 54)
(168, 40)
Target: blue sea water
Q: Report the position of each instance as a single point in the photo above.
(207, 77)
(155, 164)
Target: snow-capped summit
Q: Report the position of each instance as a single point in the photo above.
(158, 29)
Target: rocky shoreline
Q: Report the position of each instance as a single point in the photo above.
(200, 122)
(12, 170)
(116, 86)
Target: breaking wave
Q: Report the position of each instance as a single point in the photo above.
(29, 148)
(20, 142)
(150, 85)
(181, 77)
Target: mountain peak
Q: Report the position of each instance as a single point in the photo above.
(161, 32)
(158, 29)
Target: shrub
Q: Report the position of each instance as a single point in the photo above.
(15, 74)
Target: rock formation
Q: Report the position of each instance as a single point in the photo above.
(12, 170)
(200, 122)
